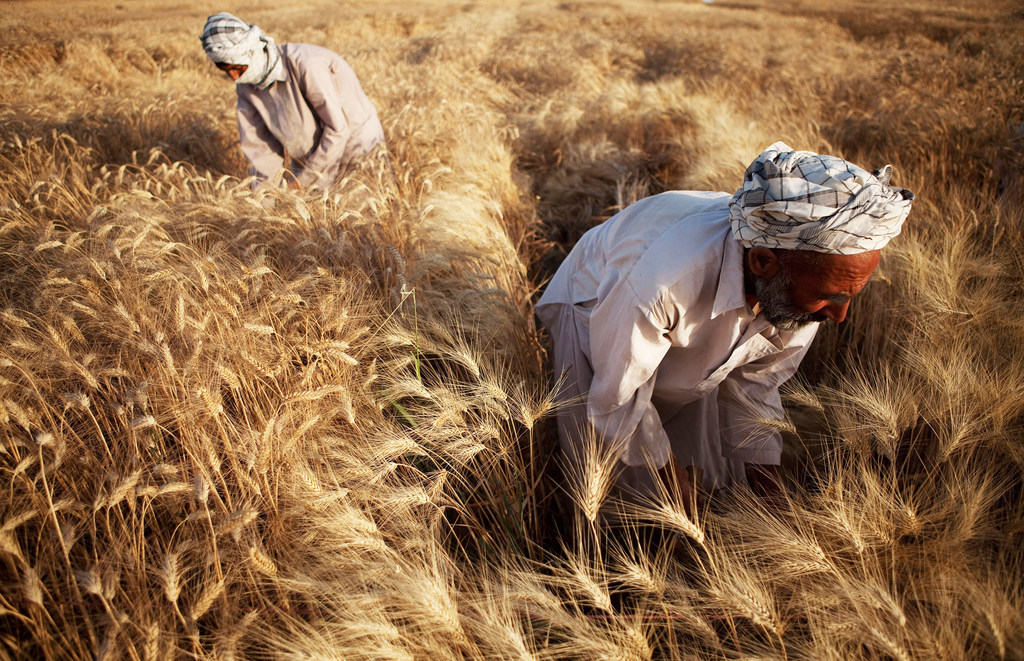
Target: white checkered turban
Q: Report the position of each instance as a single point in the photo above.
(799, 200)
(228, 39)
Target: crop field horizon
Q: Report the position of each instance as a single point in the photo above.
(270, 424)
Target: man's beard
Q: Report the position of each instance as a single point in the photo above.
(776, 298)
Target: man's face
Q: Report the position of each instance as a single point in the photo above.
(813, 288)
(232, 70)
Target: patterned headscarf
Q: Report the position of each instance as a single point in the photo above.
(800, 200)
(230, 40)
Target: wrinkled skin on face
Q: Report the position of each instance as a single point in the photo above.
(797, 287)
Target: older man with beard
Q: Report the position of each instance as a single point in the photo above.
(675, 322)
(295, 100)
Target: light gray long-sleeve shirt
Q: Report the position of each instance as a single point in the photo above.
(316, 113)
(661, 287)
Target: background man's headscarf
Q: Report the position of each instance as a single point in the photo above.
(799, 200)
(228, 39)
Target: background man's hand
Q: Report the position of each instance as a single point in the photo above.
(294, 184)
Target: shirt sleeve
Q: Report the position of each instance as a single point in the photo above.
(750, 395)
(320, 87)
(627, 343)
(258, 144)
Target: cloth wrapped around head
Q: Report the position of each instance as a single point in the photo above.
(228, 39)
(799, 200)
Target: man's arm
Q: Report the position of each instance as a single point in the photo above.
(627, 344)
(321, 86)
(750, 395)
(259, 146)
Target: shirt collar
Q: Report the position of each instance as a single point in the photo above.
(279, 72)
(730, 280)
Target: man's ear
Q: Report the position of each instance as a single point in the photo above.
(762, 262)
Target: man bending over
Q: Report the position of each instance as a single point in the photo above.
(298, 100)
(675, 322)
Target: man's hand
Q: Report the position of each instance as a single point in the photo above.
(294, 184)
(683, 482)
(766, 482)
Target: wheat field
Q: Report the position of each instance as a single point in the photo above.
(253, 425)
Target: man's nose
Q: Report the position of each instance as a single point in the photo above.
(837, 311)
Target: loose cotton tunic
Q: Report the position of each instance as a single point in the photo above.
(316, 113)
(654, 301)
